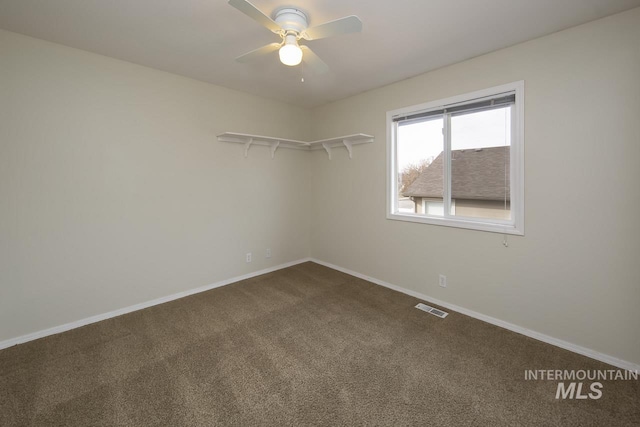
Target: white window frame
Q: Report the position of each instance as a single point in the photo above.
(516, 224)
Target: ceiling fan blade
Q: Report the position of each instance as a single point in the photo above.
(348, 24)
(253, 12)
(254, 54)
(313, 60)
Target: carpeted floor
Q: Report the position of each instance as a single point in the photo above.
(306, 345)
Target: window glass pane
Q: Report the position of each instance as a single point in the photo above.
(480, 152)
(432, 207)
(419, 155)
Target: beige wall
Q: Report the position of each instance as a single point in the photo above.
(114, 190)
(575, 275)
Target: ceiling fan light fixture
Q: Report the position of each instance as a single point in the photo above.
(290, 53)
(292, 24)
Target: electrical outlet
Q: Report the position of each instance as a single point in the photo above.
(248, 256)
(268, 253)
(443, 281)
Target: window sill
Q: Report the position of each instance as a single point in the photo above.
(460, 223)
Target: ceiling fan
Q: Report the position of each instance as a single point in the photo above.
(291, 25)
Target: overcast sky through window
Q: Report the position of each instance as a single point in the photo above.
(423, 140)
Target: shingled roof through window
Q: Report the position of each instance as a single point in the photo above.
(478, 174)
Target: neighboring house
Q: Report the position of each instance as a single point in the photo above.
(479, 184)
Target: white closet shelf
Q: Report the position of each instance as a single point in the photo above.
(274, 143)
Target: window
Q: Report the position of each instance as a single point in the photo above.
(459, 161)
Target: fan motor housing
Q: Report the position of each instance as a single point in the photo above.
(291, 19)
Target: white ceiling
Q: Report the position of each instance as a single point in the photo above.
(201, 38)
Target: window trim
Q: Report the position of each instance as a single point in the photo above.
(516, 225)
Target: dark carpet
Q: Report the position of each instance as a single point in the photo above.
(306, 345)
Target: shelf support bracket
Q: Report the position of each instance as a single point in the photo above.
(247, 145)
(349, 146)
(274, 147)
(327, 149)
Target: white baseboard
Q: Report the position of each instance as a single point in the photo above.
(78, 323)
(614, 361)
